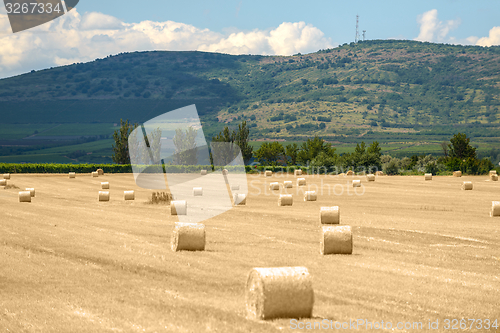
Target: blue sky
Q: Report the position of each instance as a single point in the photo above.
(96, 29)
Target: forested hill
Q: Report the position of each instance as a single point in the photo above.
(373, 88)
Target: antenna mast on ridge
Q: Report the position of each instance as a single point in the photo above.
(357, 29)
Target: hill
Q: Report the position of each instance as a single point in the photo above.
(391, 91)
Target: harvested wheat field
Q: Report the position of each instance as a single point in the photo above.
(422, 250)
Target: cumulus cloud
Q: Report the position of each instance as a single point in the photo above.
(433, 30)
(80, 38)
(492, 39)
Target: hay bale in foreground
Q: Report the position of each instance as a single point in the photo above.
(95, 174)
(178, 207)
(239, 199)
(495, 208)
(3, 182)
(103, 195)
(129, 195)
(428, 176)
(356, 183)
(268, 173)
(457, 173)
(310, 196)
(6, 176)
(203, 172)
(274, 186)
(370, 177)
(25, 196)
(329, 215)
(297, 173)
(100, 172)
(467, 186)
(197, 191)
(188, 237)
(493, 172)
(235, 187)
(105, 185)
(301, 182)
(287, 184)
(32, 192)
(279, 292)
(494, 177)
(350, 173)
(336, 240)
(285, 200)
(72, 175)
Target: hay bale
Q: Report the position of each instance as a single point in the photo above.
(336, 240)
(105, 185)
(285, 200)
(225, 172)
(129, 195)
(493, 172)
(370, 177)
(32, 192)
(3, 182)
(379, 173)
(178, 207)
(100, 172)
(279, 292)
(467, 186)
(297, 173)
(301, 182)
(457, 173)
(72, 175)
(350, 173)
(310, 196)
(95, 174)
(103, 195)
(356, 183)
(188, 237)
(203, 172)
(287, 184)
(197, 191)
(329, 215)
(494, 177)
(25, 196)
(428, 176)
(274, 186)
(268, 173)
(239, 199)
(6, 176)
(495, 208)
(235, 187)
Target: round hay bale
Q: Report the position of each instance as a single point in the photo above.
(370, 177)
(105, 185)
(379, 173)
(274, 186)
(467, 186)
(239, 199)
(103, 195)
(188, 237)
(310, 196)
(494, 177)
(197, 191)
(25, 196)
(301, 182)
(288, 184)
(329, 215)
(350, 173)
(279, 292)
(268, 173)
(72, 175)
(493, 172)
(495, 208)
(225, 172)
(336, 240)
(203, 172)
(235, 187)
(95, 174)
(3, 182)
(356, 183)
(178, 207)
(100, 172)
(6, 176)
(129, 195)
(428, 176)
(457, 173)
(285, 200)
(297, 173)
(32, 192)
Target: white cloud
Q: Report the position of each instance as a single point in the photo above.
(80, 38)
(433, 30)
(492, 39)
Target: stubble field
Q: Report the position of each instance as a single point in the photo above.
(423, 251)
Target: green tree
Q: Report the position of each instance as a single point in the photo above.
(270, 153)
(460, 147)
(242, 140)
(291, 152)
(185, 146)
(312, 147)
(120, 147)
